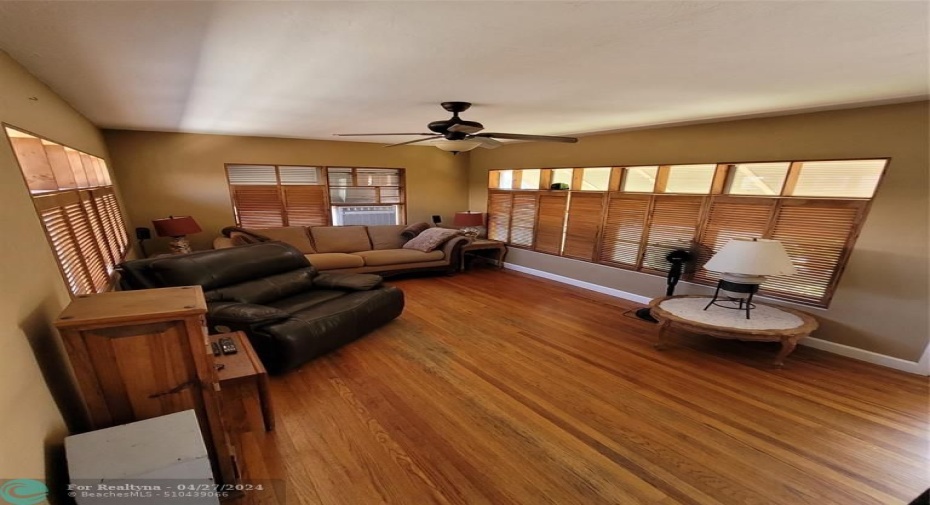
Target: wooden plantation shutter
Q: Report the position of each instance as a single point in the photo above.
(499, 205)
(87, 245)
(116, 217)
(306, 205)
(818, 236)
(583, 224)
(523, 219)
(729, 218)
(65, 248)
(258, 206)
(623, 229)
(672, 225)
(550, 225)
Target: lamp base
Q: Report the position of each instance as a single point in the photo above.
(739, 293)
(180, 245)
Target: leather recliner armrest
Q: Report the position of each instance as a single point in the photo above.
(349, 282)
(235, 314)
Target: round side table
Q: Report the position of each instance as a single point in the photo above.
(768, 323)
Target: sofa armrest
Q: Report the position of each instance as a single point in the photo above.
(238, 315)
(452, 248)
(349, 282)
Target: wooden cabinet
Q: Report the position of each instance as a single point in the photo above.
(143, 354)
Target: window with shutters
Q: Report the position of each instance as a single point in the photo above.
(267, 196)
(74, 198)
(815, 208)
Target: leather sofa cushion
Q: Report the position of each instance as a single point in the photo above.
(386, 236)
(398, 256)
(303, 301)
(348, 282)
(292, 235)
(340, 239)
(248, 313)
(330, 261)
(235, 265)
(266, 289)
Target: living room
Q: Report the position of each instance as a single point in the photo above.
(536, 382)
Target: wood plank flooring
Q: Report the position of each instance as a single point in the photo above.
(497, 388)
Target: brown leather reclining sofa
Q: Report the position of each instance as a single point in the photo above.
(290, 311)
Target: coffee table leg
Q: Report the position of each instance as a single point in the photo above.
(787, 347)
(661, 342)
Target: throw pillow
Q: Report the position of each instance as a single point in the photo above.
(431, 239)
(414, 230)
(239, 238)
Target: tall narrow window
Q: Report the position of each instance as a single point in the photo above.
(74, 198)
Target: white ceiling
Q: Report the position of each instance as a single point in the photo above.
(311, 69)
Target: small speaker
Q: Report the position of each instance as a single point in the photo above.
(437, 219)
(143, 233)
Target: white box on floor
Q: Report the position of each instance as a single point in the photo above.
(159, 460)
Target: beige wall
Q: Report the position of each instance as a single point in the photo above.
(183, 173)
(33, 290)
(882, 299)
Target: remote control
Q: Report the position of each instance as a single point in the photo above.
(216, 348)
(227, 345)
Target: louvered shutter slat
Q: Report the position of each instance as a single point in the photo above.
(550, 225)
(623, 229)
(66, 250)
(584, 220)
(258, 206)
(816, 236)
(673, 226)
(86, 244)
(499, 206)
(306, 205)
(523, 219)
(729, 218)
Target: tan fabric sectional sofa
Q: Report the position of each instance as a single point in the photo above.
(359, 249)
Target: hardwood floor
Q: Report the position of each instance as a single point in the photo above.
(496, 387)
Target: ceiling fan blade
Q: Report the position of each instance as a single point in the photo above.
(465, 128)
(537, 138)
(376, 134)
(415, 141)
(486, 142)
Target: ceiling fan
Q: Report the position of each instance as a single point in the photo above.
(461, 135)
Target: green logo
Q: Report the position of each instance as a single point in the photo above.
(23, 492)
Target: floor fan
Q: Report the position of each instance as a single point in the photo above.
(677, 258)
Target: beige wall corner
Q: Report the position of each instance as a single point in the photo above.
(35, 380)
(882, 299)
(184, 174)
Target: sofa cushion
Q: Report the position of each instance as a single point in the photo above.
(386, 236)
(431, 239)
(330, 261)
(414, 230)
(340, 239)
(398, 256)
(265, 289)
(214, 269)
(303, 301)
(291, 235)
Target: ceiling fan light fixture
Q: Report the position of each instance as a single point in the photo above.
(456, 146)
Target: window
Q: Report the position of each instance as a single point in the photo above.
(267, 196)
(562, 176)
(74, 198)
(815, 208)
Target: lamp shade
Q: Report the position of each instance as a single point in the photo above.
(176, 226)
(468, 218)
(752, 257)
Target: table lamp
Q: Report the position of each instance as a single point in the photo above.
(469, 222)
(177, 227)
(745, 263)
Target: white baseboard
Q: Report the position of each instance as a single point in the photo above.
(921, 367)
(581, 284)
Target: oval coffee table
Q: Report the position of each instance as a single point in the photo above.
(768, 323)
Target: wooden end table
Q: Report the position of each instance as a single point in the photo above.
(768, 323)
(243, 382)
(483, 244)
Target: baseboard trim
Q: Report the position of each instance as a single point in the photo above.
(581, 284)
(921, 367)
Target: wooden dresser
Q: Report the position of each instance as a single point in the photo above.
(142, 354)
